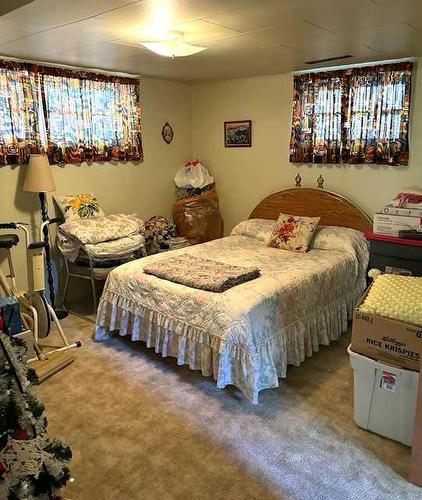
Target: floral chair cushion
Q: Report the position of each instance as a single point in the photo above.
(78, 206)
(293, 233)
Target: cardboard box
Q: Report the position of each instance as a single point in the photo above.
(412, 212)
(390, 224)
(386, 340)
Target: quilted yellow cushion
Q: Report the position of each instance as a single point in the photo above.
(395, 297)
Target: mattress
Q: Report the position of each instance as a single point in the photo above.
(395, 297)
(248, 335)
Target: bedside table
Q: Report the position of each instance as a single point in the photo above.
(395, 252)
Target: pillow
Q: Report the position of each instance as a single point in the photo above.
(344, 239)
(293, 233)
(259, 229)
(78, 206)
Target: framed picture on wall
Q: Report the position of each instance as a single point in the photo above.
(238, 134)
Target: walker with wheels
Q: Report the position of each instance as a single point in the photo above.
(36, 312)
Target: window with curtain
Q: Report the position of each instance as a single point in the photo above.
(75, 116)
(359, 115)
(19, 111)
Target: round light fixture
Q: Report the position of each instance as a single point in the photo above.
(169, 44)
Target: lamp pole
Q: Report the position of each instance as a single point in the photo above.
(61, 313)
(44, 218)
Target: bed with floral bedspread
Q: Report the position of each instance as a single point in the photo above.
(249, 334)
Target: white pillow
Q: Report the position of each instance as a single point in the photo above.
(259, 229)
(78, 206)
(344, 239)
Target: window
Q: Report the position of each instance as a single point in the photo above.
(358, 115)
(19, 108)
(327, 118)
(75, 116)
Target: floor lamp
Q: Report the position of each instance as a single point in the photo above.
(39, 179)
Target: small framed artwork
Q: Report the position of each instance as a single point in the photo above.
(238, 134)
(167, 133)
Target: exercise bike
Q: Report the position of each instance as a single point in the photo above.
(36, 312)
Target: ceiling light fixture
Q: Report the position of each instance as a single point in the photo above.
(170, 44)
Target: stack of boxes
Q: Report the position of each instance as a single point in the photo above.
(385, 355)
(390, 220)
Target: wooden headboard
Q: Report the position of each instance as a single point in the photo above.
(334, 209)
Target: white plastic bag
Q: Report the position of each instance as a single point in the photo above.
(193, 175)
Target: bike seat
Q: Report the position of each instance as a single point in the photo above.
(8, 240)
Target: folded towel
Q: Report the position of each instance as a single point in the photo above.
(201, 273)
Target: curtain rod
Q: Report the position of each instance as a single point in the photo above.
(70, 67)
(355, 65)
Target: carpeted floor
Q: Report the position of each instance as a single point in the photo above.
(141, 427)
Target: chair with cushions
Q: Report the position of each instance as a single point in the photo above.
(92, 243)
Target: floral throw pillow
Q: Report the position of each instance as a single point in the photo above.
(293, 233)
(78, 206)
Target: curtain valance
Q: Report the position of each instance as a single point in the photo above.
(65, 72)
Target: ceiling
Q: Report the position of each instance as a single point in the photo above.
(8, 5)
(244, 37)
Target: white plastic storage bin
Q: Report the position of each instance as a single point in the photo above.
(385, 398)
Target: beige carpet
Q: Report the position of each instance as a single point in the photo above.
(143, 428)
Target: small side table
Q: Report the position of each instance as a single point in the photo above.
(395, 252)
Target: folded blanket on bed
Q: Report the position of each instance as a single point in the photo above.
(204, 274)
(76, 233)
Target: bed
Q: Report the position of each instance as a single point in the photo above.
(248, 335)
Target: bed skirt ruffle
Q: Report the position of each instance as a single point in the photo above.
(227, 364)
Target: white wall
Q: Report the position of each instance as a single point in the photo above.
(243, 176)
(246, 175)
(145, 188)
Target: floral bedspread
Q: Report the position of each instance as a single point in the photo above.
(247, 335)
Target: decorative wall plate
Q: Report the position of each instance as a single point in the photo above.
(167, 133)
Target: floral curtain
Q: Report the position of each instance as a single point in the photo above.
(91, 119)
(378, 115)
(76, 116)
(19, 109)
(359, 115)
(317, 117)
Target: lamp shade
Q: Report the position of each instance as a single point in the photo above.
(39, 177)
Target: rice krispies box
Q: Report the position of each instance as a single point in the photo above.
(386, 340)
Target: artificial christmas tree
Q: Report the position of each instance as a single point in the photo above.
(31, 465)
